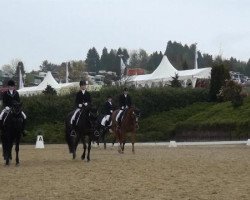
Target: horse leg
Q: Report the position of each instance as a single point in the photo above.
(84, 147)
(123, 145)
(119, 141)
(133, 142)
(104, 139)
(7, 154)
(17, 152)
(11, 151)
(4, 147)
(74, 153)
(89, 148)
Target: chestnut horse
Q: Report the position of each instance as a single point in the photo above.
(129, 124)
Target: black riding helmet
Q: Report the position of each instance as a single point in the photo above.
(82, 83)
(11, 83)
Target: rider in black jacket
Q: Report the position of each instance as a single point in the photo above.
(83, 99)
(124, 102)
(108, 110)
(9, 97)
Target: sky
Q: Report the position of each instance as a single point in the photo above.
(64, 30)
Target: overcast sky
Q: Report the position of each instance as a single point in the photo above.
(63, 30)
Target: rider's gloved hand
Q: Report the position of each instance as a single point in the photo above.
(80, 105)
(122, 107)
(7, 108)
(85, 104)
(126, 107)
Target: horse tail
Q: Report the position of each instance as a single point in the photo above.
(67, 131)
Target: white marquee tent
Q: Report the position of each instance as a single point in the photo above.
(48, 80)
(165, 71)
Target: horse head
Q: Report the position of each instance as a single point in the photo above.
(16, 108)
(93, 113)
(134, 114)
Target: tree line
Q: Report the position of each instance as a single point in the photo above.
(181, 56)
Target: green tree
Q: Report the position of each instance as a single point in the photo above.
(47, 66)
(143, 58)
(231, 92)
(219, 75)
(153, 61)
(93, 60)
(185, 65)
(105, 62)
(175, 81)
(77, 70)
(134, 59)
(125, 55)
(248, 68)
(49, 90)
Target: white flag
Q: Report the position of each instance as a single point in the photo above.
(20, 79)
(196, 58)
(123, 66)
(67, 72)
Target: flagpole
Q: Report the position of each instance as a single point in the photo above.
(196, 57)
(20, 79)
(67, 72)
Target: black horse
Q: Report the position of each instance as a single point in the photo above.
(12, 129)
(84, 129)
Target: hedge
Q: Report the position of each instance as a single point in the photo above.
(46, 113)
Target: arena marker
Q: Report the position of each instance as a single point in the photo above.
(248, 142)
(172, 144)
(39, 142)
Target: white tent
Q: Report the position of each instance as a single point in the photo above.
(61, 88)
(48, 80)
(165, 71)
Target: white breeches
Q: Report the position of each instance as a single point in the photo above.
(105, 119)
(118, 115)
(74, 115)
(3, 111)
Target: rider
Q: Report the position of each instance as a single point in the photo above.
(83, 99)
(8, 97)
(124, 103)
(108, 110)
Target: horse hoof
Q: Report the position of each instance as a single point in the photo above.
(82, 157)
(17, 164)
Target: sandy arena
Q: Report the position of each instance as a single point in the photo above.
(154, 172)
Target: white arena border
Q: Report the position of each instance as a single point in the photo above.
(181, 143)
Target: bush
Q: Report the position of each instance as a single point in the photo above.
(231, 92)
(219, 74)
